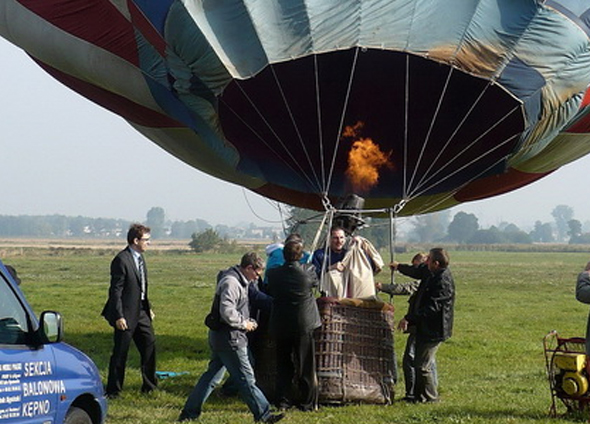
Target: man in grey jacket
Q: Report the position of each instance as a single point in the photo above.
(229, 344)
(583, 295)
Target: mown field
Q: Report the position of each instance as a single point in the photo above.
(491, 371)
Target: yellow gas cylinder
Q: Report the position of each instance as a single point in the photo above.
(574, 383)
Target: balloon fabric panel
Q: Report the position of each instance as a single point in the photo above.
(429, 101)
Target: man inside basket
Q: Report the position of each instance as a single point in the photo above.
(348, 267)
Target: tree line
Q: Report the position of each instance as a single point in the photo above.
(463, 228)
(61, 226)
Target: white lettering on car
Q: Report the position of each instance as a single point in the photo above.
(46, 387)
(36, 407)
(33, 369)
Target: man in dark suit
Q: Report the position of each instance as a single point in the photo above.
(128, 311)
(293, 319)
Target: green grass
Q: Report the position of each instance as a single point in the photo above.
(491, 371)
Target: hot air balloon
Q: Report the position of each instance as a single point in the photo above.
(420, 103)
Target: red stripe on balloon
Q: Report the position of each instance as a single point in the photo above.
(497, 184)
(95, 21)
(146, 28)
(122, 106)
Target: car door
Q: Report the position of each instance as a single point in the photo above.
(29, 389)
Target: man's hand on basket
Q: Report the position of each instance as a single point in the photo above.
(403, 325)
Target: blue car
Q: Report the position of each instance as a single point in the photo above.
(42, 379)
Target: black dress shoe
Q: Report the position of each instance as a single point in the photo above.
(274, 418)
(185, 418)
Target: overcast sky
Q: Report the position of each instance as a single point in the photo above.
(62, 154)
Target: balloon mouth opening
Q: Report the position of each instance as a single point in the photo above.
(391, 127)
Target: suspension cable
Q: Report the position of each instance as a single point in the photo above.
(268, 145)
(276, 136)
(342, 116)
(316, 73)
(392, 241)
(295, 126)
(432, 122)
(406, 119)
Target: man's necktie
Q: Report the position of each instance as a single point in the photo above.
(142, 277)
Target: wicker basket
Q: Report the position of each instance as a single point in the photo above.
(355, 357)
(355, 352)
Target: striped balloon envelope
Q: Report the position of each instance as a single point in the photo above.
(419, 104)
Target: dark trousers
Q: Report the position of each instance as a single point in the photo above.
(426, 388)
(296, 364)
(145, 341)
(409, 367)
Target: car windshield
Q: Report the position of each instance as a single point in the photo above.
(13, 317)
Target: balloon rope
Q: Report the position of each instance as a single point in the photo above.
(260, 217)
(432, 206)
(327, 250)
(414, 189)
(455, 158)
(269, 146)
(459, 126)
(406, 113)
(392, 231)
(282, 218)
(449, 175)
(344, 107)
(319, 112)
(296, 127)
(432, 122)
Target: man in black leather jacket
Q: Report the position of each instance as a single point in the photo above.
(432, 314)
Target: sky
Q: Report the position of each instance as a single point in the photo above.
(62, 154)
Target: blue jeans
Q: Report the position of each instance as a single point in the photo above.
(238, 365)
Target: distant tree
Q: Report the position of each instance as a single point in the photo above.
(562, 214)
(583, 238)
(156, 220)
(305, 222)
(378, 232)
(184, 229)
(223, 230)
(575, 229)
(509, 228)
(517, 237)
(463, 227)
(78, 226)
(513, 234)
(431, 227)
(542, 233)
(490, 236)
(206, 241)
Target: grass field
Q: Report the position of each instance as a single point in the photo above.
(491, 371)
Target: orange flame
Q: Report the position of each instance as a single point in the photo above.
(365, 159)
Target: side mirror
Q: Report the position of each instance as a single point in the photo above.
(51, 327)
